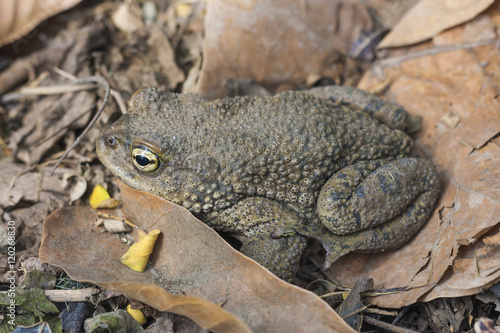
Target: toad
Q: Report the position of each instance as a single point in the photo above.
(333, 164)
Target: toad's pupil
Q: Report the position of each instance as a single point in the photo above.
(142, 160)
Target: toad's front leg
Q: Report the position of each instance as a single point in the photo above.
(251, 221)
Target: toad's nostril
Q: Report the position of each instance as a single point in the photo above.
(111, 141)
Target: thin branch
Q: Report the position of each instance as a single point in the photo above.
(386, 326)
(393, 61)
(76, 295)
(105, 85)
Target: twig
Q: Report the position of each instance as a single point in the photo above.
(381, 312)
(72, 295)
(393, 61)
(39, 186)
(386, 326)
(116, 95)
(118, 218)
(105, 85)
(45, 90)
(75, 295)
(56, 89)
(334, 293)
(119, 100)
(355, 312)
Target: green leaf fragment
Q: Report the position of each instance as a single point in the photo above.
(117, 322)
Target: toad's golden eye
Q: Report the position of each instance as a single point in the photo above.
(145, 160)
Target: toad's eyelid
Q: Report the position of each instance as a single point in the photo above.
(146, 145)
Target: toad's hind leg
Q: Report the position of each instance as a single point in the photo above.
(251, 221)
(376, 205)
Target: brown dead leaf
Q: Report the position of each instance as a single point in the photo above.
(473, 270)
(430, 17)
(127, 17)
(388, 13)
(18, 17)
(96, 258)
(30, 186)
(275, 42)
(493, 240)
(165, 57)
(48, 119)
(158, 68)
(25, 201)
(68, 50)
(190, 259)
(449, 256)
(165, 323)
(48, 122)
(75, 184)
(115, 226)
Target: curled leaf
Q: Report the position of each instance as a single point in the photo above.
(100, 198)
(115, 226)
(76, 184)
(137, 314)
(109, 203)
(98, 195)
(138, 254)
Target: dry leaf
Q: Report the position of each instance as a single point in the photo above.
(26, 198)
(189, 258)
(448, 257)
(30, 187)
(48, 121)
(138, 254)
(75, 184)
(430, 17)
(127, 17)
(162, 50)
(94, 257)
(183, 10)
(485, 325)
(112, 225)
(159, 68)
(109, 203)
(276, 42)
(99, 194)
(137, 314)
(18, 17)
(493, 240)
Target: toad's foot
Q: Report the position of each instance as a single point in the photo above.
(386, 237)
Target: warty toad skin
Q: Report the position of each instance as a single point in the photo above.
(275, 171)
